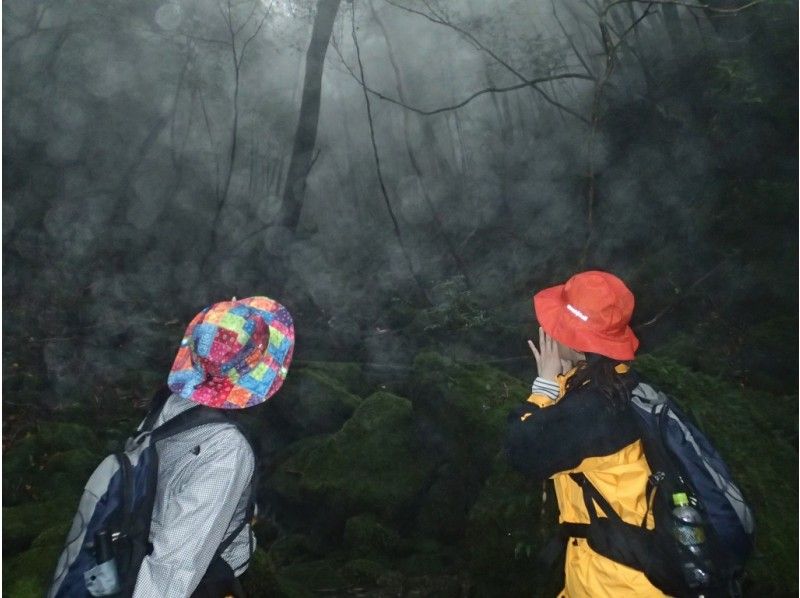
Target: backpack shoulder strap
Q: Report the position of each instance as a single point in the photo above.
(156, 405)
(591, 495)
(191, 418)
(246, 520)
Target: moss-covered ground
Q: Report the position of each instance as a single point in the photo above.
(380, 489)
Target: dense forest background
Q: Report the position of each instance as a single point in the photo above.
(402, 175)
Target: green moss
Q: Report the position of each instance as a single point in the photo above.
(348, 374)
(27, 587)
(23, 523)
(44, 463)
(289, 588)
(313, 402)
(472, 397)
(29, 573)
(289, 549)
(363, 534)
(53, 536)
(506, 528)
(461, 411)
(20, 469)
(318, 576)
(424, 564)
(259, 579)
(365, 571)
(372, 464)
(61, 436)
(445, 586)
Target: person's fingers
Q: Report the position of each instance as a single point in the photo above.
(549, 342)
(536, 355)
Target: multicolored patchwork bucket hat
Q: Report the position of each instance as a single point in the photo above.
(234, 354)
(591, 312)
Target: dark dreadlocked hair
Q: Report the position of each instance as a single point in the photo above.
(599, 372)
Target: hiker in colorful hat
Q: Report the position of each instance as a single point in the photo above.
(234, 355)
(575, 426)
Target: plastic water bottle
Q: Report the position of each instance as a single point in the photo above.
(690, 533)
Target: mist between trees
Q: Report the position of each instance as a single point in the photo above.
(399, 173)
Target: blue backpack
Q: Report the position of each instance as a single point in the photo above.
(109, 537)
(682, 461)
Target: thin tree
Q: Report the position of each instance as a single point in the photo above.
(440, 229)
(305, 137)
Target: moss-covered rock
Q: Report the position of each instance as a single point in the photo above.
(467, 402)
(369, 572)
(290, 549)
(64, 436)
(259, 579)
(23, 523)
(506, 528)
(53, 536)
(55, 458)
(321, 576)
(26, 587)
(445, 586)
(21, 471)
(373, 464)
(313, 402)
(442, 511)
(460, 412)
(364, 534)
(348, 374)
(28, 574)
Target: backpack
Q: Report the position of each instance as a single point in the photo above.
(682, 460)
(109, 537)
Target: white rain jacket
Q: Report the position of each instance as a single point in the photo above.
(203, 489)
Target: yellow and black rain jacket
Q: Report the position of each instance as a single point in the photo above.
(580, 432)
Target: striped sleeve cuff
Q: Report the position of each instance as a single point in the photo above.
(545, 387)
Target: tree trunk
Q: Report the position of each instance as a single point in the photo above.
(412, 158)
(306, 135)
(672, 22)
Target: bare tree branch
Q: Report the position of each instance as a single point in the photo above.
(691, 5)
(477, 94)
(379, 172)
(679, 298)
(210, 139)
(571, 43)
(258, 29)
(533, 83)
(415, 165)
(237, 57)
(247, 20)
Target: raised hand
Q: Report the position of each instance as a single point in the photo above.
(548, 361)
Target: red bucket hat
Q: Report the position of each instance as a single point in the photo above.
(234, 354)
(589, 313)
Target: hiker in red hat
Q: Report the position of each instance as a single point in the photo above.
(575, 427)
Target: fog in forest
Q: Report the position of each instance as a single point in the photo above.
(402, 175)
(146, 149)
